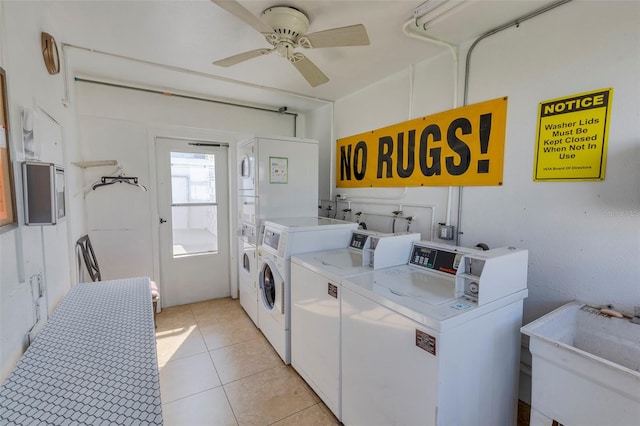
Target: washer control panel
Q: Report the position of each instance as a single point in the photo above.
(358, 241)
(271, 238)
(433, 258)
(479, 276)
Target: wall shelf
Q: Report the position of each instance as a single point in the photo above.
(98, 163)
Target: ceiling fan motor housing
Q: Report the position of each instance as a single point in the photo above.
(287, 22)
(285, 28)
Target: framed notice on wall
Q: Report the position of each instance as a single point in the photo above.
(278, 170)
(571, 142)
(7, 193)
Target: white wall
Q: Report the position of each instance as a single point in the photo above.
(31, 251)
(120, 124)
(583, 237)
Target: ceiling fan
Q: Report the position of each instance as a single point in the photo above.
(285, 28)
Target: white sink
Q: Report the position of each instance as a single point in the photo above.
(586, 368)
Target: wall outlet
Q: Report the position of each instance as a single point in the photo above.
(446, 232)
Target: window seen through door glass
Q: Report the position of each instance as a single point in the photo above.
(193, 178)
(194, 213)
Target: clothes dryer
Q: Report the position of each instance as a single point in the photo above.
(316, 292)
(435, 341)
(277, 177)
(283, 238)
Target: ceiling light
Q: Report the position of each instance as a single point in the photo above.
(284, 49)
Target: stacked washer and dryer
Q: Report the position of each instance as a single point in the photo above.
(277, 177)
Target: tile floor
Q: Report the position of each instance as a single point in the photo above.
(216, 368)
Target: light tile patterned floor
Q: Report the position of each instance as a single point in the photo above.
(216, 368)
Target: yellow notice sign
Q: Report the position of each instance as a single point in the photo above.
(572, 137)
(463, 146)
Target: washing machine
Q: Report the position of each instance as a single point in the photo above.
(281, 239)
(316, 292)
(435, 341)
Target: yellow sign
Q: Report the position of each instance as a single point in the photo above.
(572, 137)
(463, 146)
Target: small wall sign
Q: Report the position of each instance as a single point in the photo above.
(572, 135)
(278, 170)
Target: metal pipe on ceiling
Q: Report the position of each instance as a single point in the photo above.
(194, 98)
(495, 31)
(178, 95)
(66, 46)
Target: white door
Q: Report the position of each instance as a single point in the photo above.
(193, 206)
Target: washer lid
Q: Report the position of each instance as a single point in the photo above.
(332, 264)
(304, 222)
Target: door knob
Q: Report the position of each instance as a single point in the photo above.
(162, 221)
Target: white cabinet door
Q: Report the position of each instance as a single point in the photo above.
(386, 378)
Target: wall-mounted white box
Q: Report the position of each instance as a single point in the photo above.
(43, 193)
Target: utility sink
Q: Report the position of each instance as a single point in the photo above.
(585, 368)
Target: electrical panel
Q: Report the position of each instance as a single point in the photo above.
(44, 191)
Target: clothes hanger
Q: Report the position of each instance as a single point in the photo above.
(110, 180)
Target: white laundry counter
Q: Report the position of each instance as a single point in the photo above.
(93, 363)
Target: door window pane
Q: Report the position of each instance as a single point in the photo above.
(195, 226)
(193, 178)
(195, 229)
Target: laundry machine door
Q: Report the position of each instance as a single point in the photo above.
(271, 287)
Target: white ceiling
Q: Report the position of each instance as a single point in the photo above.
(192, 34)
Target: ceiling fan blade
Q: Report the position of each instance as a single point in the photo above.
(239, 11)
(241, 57)
(353, 35)
(309, 70)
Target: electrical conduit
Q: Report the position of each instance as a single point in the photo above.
(413, 29)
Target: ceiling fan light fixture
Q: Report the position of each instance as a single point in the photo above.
(284, 49)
